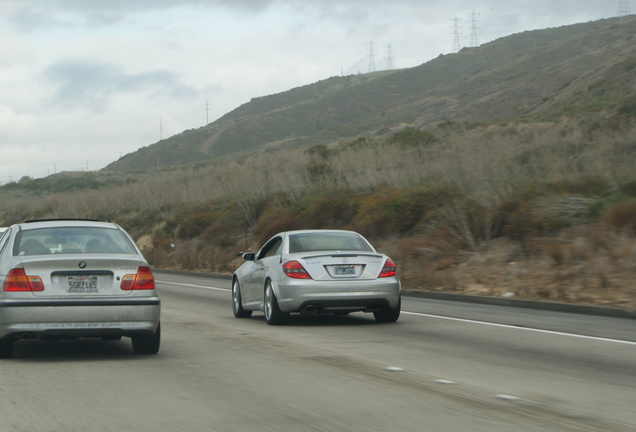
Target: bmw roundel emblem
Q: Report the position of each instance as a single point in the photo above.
(82, 264)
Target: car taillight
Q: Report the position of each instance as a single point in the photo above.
(295, 270)
(389, 269)
(143, 280)
(17, 280)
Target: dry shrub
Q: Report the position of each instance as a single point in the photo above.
(566, 268)
(273, 220)
(523, 217)
(629, 188)
(585, 184)
(194, 224)
(419, 262)
(397, 211)
(433, 273)
(621, 216)
(335, 210)
(556, 250)
(469, 222)
(372, 218)
(157, 253)
(223, 234)
(414, 248)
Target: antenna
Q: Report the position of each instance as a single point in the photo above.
(389, 58)
(207, 109)
(371, 59)
(474, 41)
(456, 45)
(160, 130)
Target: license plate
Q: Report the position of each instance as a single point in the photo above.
(81, 284)
(345, 270)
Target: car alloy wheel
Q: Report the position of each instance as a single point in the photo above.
(237, 306)
(273, 314)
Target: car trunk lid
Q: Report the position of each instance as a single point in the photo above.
(82, 276)
(335, 266)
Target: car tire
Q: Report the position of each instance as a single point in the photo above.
(237, 306)
(273, 314)
(388, 315)
(147, 344)
(6, 348)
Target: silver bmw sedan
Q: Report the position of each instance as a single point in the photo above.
(75, 278)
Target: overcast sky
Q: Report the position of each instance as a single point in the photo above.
(83, 82)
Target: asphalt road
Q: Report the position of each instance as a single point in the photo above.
(444, 366)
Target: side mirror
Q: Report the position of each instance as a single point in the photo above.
(247, 256)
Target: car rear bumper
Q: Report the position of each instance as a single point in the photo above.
(318, 296)
(41, 318)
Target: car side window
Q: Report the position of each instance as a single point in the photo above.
(272, 248)
(3, 239)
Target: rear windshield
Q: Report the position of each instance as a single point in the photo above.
(330, 241)
(72, 240)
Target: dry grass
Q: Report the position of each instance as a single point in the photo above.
(583, 265)
(490, 162)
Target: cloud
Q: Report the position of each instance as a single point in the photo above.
(35, 15)
(93, 84)
(15, 50)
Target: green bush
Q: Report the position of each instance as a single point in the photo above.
(319, 150)
(411, 137)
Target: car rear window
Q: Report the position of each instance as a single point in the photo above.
(332, 241)
(72, 240)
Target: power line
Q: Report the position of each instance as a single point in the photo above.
(494, 22)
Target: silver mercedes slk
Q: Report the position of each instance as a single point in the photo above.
(75, 278)
(316, 272)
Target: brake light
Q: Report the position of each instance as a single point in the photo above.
(389, 269)
(143, 280)
(295, 270)
(18, 281)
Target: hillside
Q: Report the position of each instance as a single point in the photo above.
(508, 169)
(579, 71)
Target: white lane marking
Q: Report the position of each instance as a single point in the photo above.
(521, 328)
(457, 319)
(194, 286)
